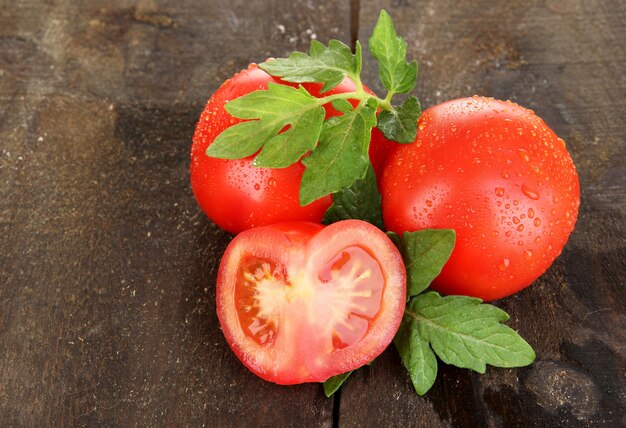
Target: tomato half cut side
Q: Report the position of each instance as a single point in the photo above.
(300, 302)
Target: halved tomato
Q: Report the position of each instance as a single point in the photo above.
(299, 302)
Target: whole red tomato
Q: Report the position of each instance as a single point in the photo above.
(498, 175)
(236, 195)
(299, 302)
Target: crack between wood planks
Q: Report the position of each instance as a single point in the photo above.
(355, 7)
(336, 404)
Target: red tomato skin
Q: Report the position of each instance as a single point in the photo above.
(499, 176)
(236, 195)
(300, 244)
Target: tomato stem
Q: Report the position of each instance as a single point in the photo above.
(360, 95)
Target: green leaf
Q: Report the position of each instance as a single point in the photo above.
(358, 56)
(334, 383)
(342, 105)
(360, 201)
(328, 65)
(416, 355)
(389, 50)
(341, 156)
(425, 252)
(467, 333)
(288, 123)
(401, 124)
(240, 141)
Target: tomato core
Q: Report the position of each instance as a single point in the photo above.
(352, 279)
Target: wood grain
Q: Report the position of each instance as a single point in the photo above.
(107, 314)
(107, 268)
(565, 60)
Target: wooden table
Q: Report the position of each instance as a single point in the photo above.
(107, 265)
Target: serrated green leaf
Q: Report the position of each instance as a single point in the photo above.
(334, 383)
(341, 156)
(371, 103)
(328, 65)
(287, 123)
(425, 252)
(240, 141)
(361, 201)
(358, 57)
(342, 105)
(416, 355)
(466, 333)
(400, 125)
(288, 147)
(389, 50)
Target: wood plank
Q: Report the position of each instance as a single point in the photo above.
(107, 267)
(565, 60)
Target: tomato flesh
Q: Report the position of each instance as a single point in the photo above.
(301, 304)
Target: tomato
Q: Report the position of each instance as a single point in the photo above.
(499, 176)
(237, 195)
(300, 302)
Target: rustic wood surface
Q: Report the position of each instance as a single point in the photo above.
(107, 265)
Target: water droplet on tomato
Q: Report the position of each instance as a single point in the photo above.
(532, 194)
(505, 174)
(499, 191)
(515, 220)
(537, 222)
(520, 227)
(504, 264)
(528, 254)
(531, 213)
(523, 155)
(257, 186)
